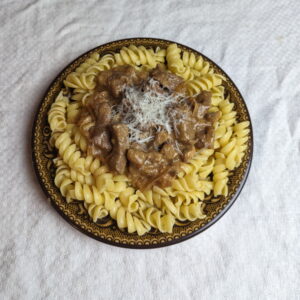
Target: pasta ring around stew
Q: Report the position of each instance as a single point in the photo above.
(82, 177)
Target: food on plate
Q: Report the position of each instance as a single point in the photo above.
(144, 136)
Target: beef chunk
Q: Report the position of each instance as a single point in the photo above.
(101, 138)
(185, 132)
(204, 98)
(120, 143)
(168, 80)
(205, 137)
(188, 152)
(169, 152)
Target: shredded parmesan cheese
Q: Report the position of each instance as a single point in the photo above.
(140, 110)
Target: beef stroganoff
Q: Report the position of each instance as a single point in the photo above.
(144, 136)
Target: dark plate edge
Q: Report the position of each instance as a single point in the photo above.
(167, 243)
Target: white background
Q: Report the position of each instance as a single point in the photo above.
(253, 252)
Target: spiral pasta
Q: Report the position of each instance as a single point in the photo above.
(62, 181)
(204, 83)
(160, 55)
(228, 114)
(148, 196)
(97, 212)
(135, 56)
(190, 188)
(189, 67)
(92, 165)
(196, 63)
(217, 94)
(155, 218)
(63, 170)
(220, 175)
(131, 222)
(206, 168)
(196, 162)
(235, 148)
(105, 63)
(128, 198)
(87, 193)
(83, 81)
(241, 131)
(189, 73)
(93, 59)
(190, 212)
(81, 177)
(79, 139)
(69, 153)
(56, 115)
(175, 64)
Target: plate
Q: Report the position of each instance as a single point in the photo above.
(106, 231)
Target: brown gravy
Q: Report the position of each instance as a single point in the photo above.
(151, 151)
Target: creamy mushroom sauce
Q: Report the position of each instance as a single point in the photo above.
(144, 125)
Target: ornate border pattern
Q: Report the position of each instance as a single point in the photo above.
(106, 231)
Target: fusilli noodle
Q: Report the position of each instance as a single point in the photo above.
(175, 64)
(135, 56)
(204, 83)
(220, 175)
(96, 212)
(155, 218)
(70, 153)
(197, 63)
(56, 115)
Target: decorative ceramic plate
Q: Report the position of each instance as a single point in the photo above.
(106, 231)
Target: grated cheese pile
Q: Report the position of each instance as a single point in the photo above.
(140, 110)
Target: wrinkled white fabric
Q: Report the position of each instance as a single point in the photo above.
(253, 252)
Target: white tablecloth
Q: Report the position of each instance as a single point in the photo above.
(253, 252)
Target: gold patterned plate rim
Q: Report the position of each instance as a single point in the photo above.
(108, 232)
